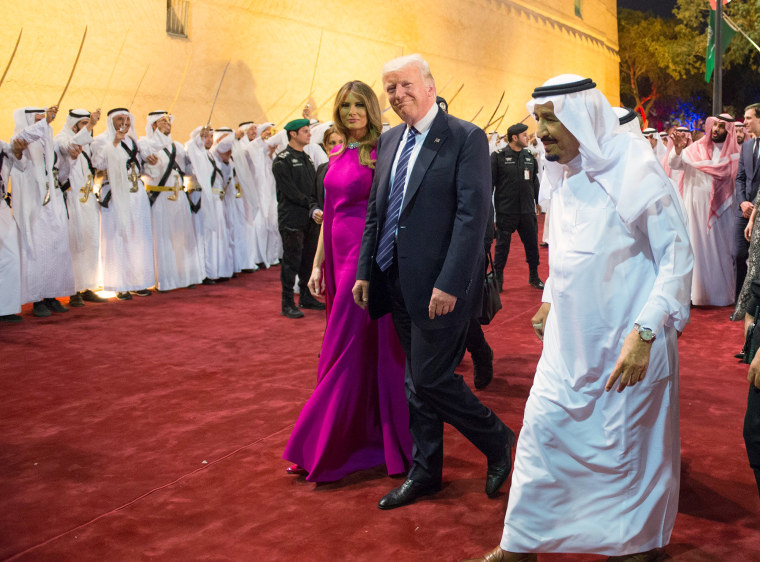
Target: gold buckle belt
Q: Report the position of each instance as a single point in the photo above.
(159, 188)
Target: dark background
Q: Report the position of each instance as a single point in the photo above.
(662, 8)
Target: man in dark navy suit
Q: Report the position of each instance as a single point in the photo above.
(747, 182)
(422, 261)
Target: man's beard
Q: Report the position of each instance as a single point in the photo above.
(717, 137)
(552, 157)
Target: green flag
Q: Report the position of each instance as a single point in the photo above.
(726, 34)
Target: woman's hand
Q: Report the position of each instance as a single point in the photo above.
(316, 282)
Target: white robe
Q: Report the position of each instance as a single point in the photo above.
(10, 252)
(598, 471)
(234, 212)
(255, 223)
(714, 275)
(175, 246)
(84, 218)
(126, 249)
(211, 229)
(258, 151)
(46, 265)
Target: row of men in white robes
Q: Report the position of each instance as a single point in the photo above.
(127, 214)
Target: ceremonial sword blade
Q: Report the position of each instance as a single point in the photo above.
(490, 119)
(73, 68)
(118, 56)
(181, 82)
(217, 93)
(138, 88)
(13, 55)
(456, 94)
(476, 115)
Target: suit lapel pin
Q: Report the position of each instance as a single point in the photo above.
(437, 140)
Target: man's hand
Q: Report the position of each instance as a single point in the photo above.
(753, 375)
(306, 113)
(316, 282)
(746, 208)
(440, 303)
(539, 319)
(152, 159)
(19, 146)
(632, 364)
(51, 112)
(239, 134)
(94, 118)
(317, 216)
(679, 141)
(361, 293)
(74, 151)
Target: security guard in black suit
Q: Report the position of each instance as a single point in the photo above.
(298, 217)
(514, 172)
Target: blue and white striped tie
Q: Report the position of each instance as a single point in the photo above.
(384, 256)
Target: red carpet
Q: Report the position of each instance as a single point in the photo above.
(153, 428)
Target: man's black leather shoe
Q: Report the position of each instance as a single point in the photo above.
(536, 282)
(498, 472)
(407, 493)
(91, 296)
(310, 303)
(76, 300)
(291, 311)
(55, 306)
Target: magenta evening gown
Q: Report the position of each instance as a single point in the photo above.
(357, 416)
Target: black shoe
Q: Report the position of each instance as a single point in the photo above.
(142, 293)
(407, 493)
(310, 302)
(90, 296)
(536, 282)
(247, 270)
(291, 311)
(482, 367)
(11, 318)
(55, 306)
(40, 310)
(498, 472)
(208, 281)
(544, 245)
(739, 355)
(124, 296)
(76, 300)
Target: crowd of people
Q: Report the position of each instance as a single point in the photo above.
(393, 229)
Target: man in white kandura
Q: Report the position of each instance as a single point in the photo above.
(177, 262)
(126, 235)
(597, 463)
(709, 169)
(77, 174)
(10, 251)
(40, 211)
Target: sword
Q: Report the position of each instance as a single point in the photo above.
(138, 88)
(490, 120)
(13, 55)
(456, 94)
(294, 110)
(500, 119)
(76, 62)
(181, 82)
(118, 56)
(217, 93)
(440, 92)
(476, 115)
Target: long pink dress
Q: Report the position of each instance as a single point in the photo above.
(357, 417)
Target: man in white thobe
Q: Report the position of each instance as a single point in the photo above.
(175, 246)
(206, 194)
(709, 169)
(255, 223)
(126, 236)
(77, 175)
(598, 458)
(261, 158)
(40, 212)
(10, 252)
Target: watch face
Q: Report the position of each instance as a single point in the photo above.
(646, 335)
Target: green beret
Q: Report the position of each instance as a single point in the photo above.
(297, 124)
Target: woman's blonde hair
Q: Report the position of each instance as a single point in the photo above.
(374, 119)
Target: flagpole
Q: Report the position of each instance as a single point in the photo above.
(718, 68)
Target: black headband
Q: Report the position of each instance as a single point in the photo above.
(224, 129)
(158, 113)
(727, 119)
(116, 109)
(628, 117)
(562, 89)
(245, 123)
(74, 113)
(34, 111)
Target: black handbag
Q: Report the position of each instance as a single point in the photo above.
(491, 299)
(752, 339)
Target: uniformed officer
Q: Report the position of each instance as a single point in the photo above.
(298, 216)
(515, 179)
